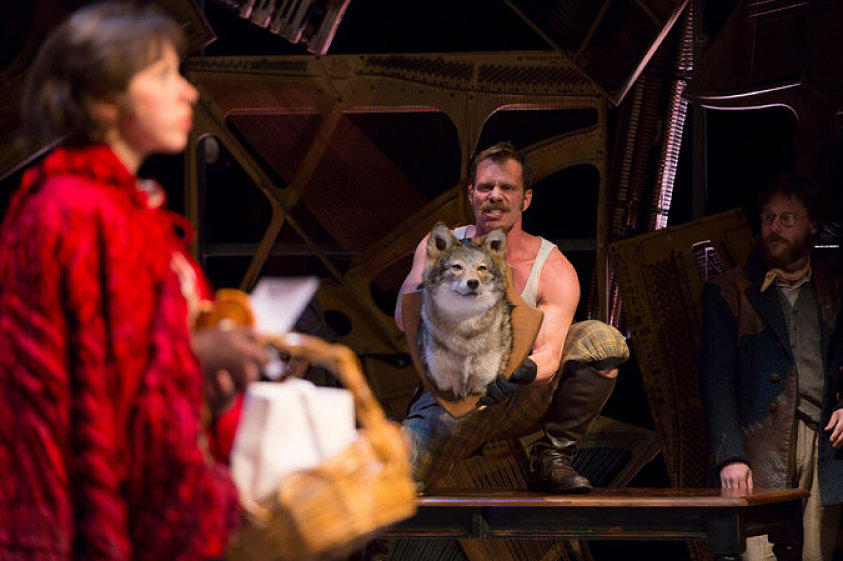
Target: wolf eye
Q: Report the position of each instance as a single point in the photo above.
(482, 268)
(455, 267)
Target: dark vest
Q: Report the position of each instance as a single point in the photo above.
(803, 327)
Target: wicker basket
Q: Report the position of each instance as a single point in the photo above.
(332, 509)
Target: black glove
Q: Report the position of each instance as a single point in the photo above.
(500, 387)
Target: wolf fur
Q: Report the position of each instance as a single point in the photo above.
(465, 333)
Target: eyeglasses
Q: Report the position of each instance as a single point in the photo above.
(786, 219)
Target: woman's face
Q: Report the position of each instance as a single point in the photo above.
(155, 114)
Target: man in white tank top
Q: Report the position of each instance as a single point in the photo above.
(562, 401)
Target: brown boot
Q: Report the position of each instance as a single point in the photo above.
(578, 399)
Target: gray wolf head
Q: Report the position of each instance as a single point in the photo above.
(465, 277)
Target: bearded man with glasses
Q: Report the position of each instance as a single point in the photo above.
(771, 403)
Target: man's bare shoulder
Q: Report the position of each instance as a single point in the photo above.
(559, 264)
(558, 279)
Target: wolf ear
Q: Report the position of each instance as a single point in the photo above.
(495, 243)
(439, 240)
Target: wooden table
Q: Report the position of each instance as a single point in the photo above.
(721, 517)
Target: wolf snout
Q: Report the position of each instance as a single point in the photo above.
(472, 284)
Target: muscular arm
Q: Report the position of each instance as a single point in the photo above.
(558, 296)
(412, 281)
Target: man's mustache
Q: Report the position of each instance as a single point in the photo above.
(776, 238)
(487, 208)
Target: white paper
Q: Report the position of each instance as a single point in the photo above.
(278, 302)
(285, 427)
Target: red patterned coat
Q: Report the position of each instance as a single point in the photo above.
(100, 392)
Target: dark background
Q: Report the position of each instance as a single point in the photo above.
(744, 148)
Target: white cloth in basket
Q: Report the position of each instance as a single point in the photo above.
(285, 427)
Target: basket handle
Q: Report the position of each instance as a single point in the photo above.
(234, 306)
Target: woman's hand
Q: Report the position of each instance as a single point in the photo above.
(231, 359)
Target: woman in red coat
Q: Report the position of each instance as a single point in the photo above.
(100, 384)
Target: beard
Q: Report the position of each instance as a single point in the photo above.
(784, 257)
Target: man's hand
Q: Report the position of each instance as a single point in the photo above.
(835, 425)
(500, 387)
(736, 475)
(230, 359)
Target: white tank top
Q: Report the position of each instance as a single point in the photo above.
(531, 288)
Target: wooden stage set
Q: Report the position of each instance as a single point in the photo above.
(722, 518)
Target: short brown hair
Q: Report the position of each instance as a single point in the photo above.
(91, 55)
(501, 152)
(792, 185)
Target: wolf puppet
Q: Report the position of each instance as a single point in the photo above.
(465, 332)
